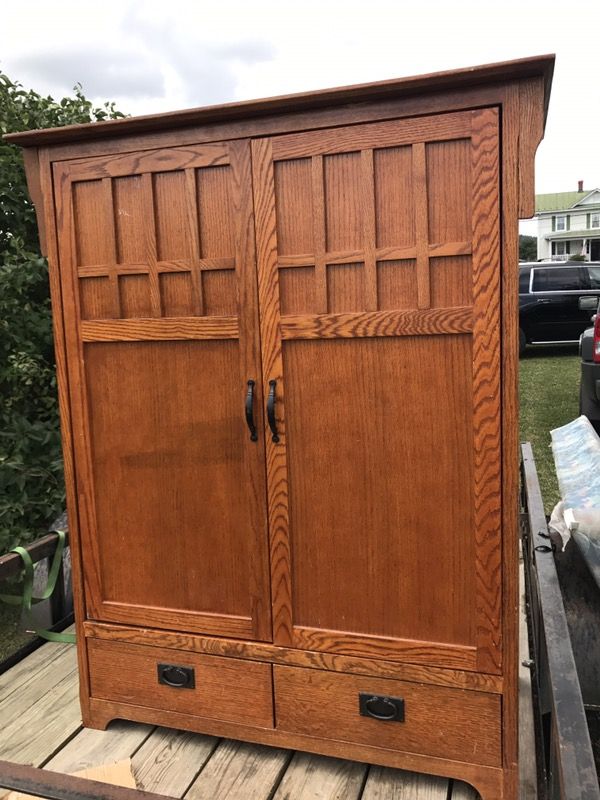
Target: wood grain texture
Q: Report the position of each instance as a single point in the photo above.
(91, 748)
(318, 776)
(446, 723)
(531, 131)
(378, 323)
(420, 189)
(173, 158)
(168, 761)
(226, 689)
(31, 162)
(352, 138)
(238, 771)
(272, 369)
(387, 784)
(314, 659)
(63, 352)
(486, 387)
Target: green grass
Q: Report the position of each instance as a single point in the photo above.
(549, 398)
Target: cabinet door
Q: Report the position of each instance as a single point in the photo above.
(379, 276)
(158, 274)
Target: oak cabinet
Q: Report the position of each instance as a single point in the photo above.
(286, 339)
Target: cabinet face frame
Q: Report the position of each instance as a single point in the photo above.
(522, 100)
(182, 334)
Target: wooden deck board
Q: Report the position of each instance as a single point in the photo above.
(169, 761)
(310, 776)
(393, 784)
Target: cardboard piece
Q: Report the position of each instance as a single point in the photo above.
(118, 773)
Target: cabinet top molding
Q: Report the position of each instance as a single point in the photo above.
(398, 88)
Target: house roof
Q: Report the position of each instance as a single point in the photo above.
(589, 233)
(561, 201)
(558, 201)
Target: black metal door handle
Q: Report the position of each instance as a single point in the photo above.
(250, 412)
(271, 411)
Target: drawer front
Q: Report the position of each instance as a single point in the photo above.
(228, 689)
(455, 724)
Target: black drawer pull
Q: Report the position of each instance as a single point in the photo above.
(177, 677)
(271, 411)
(377, 706)
(249, 409)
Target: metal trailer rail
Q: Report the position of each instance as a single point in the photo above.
(565, 749)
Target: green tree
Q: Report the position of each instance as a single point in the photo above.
(527, 248)
(31, 479)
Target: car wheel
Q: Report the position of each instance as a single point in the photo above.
(522, 341)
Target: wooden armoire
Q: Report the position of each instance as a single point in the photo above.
(286, 338)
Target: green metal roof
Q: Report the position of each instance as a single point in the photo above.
(589, 233)
(558, 201)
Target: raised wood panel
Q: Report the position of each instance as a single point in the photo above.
(451, 281)
(447, 723)
(297, 290)
(173, 409)
(396, 284)
(178, 294)
(171, 211)
(345, 287)
(97, 300)
(394, 198)
(134, 292)
(449, 190)
(130, 214)
(215, 212)
(219, 291)
(294, 206)
(342, 176)
(398, 519)
(92, 211)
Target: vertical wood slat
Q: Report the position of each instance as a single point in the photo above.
(419, 170)
(113, 278)
(263, 186)
(194, 234)
(486, 388)
(369, 229)
(151, 249)
(319, 235)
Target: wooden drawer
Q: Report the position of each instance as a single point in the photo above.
(227, 689)
(449, 723)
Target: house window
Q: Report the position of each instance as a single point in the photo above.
(561, 223)
(560, 248)
(595, 220)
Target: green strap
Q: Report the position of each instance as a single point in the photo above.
(28, 600)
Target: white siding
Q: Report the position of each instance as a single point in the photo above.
(593, 199)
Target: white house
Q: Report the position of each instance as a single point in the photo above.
(568, 224)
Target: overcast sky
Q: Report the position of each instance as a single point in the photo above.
(152, 56)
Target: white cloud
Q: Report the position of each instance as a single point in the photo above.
(155, 56)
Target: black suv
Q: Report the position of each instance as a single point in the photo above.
(556, 301)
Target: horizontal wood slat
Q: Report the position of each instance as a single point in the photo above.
(149, 329)
(205, 155)
(381, 254)
(169, 618)
(389, 134)
(177, 265)
(377, 323)
(456, 656)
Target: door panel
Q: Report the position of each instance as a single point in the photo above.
(379, 265)
(159, 278)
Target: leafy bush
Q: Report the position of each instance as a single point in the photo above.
(31, 480)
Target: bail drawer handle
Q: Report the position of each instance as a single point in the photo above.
(381, 707)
